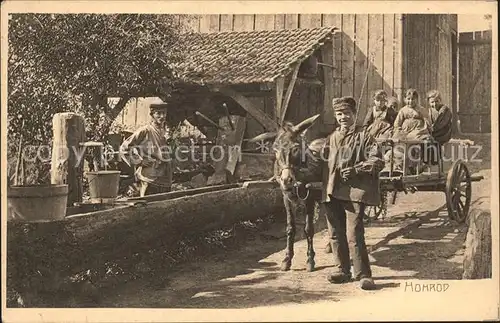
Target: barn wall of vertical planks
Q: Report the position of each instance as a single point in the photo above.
(428, 55)
(475, 59)
(366, 57)
(371, 51)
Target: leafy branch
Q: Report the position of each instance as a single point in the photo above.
(75, 62)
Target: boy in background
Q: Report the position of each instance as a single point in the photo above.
(440, 118)
(441, 125)
(393, 103)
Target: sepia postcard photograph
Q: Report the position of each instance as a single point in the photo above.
(275, 161)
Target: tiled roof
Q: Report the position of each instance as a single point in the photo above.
(248, 56)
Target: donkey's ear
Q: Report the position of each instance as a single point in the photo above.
(299, 128)
(263, 137)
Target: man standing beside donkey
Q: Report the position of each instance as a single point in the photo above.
(349, 184)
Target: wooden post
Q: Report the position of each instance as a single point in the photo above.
(67, 156)
(227, 140)
(234, 151)
(288, 95)
(400, 57)
(278, 97)
(259, 115)
(477, 257)
(330, 90)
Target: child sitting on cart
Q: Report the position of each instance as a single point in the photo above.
(411, 123)
(441, 122)
(380, 119)
(393, 103)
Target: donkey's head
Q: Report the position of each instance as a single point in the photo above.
(287, 146)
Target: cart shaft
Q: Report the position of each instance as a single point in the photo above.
(476, 178)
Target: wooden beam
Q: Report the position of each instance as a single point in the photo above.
(288, 94)
(178, 194)
(259, 115)
(399, 57)
(327, 117)
(234, 150)
(279, 86)
(230, 140)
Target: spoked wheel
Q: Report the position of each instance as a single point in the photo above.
(375, 212)
(458, 191)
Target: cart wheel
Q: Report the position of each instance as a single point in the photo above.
(374, 212)
(458, 191)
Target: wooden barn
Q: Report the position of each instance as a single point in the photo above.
(270, 68)
(366, 53)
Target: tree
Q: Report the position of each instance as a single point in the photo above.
(489, 19)
(75, 62)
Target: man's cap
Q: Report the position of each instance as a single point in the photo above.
(344, 103)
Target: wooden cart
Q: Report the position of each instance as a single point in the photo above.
(422, 176)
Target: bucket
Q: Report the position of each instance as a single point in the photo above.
(37, 203)
(103, 185)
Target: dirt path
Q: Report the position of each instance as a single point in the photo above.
(426, 246)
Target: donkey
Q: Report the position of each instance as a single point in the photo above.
(291, 152)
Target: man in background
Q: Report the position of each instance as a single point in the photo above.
(148, 150)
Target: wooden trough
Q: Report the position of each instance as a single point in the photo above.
(42, 256)
(168, 215)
